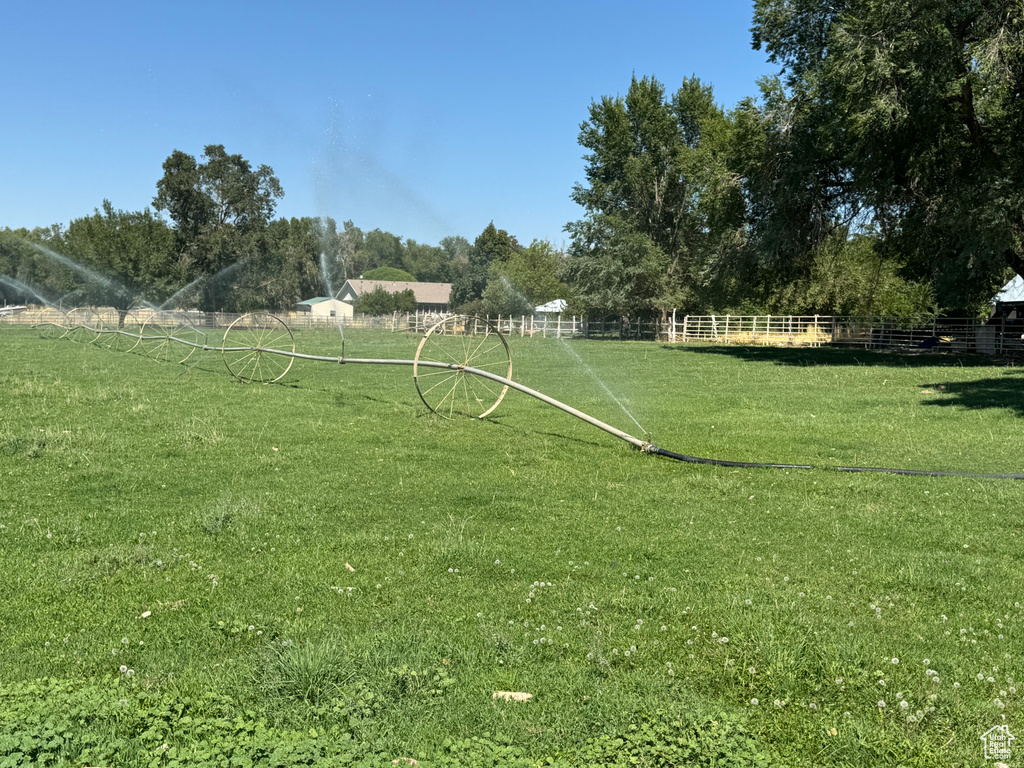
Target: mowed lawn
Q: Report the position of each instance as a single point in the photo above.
(329, 558)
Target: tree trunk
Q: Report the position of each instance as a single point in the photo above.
(1015, 260)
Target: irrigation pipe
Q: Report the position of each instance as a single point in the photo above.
(648, 447)
(644, 446)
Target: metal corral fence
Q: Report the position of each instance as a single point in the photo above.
(991, 336)
(995, 335)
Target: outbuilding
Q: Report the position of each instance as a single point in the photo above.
(325, 306)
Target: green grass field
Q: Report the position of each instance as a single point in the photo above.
(321, 571)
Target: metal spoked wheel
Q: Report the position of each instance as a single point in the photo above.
(51, 323)
(119, 338)
(191, 339)
(445, 351)
(155, 337)
(169, 337)
(83, 324)
(131, 327)
(258, 348)
(113, 334)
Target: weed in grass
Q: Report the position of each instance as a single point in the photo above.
(311, 671)
(199, 432)
(228, 514)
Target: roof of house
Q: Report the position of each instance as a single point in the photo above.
(1012, 291)
(425, 293)
(555, 305)
(315, 300)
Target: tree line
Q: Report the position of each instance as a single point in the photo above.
(880, 171)
(221, 249)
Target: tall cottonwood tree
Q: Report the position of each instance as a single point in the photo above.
(917, 109)
(220, 209)
(661, 203)
(528, 278)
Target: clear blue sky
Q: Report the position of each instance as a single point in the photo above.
(422, 119)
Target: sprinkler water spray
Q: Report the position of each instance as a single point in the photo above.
(462, 367)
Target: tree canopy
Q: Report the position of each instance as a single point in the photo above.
(389, 273)
(492, 246)
(908, 115)
(661, 206)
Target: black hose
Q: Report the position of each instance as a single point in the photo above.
(885, 470)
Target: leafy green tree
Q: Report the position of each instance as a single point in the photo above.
(613, 268)
(222, 191)
(501, 297)
(284, 271)
(456, 249)
(133, 252)
(350, 253)
(917, 109)
(29, 263)
(377, 302)
(848, 276)
(534, 271)
(328, 260)
(794, 188)
(662, 207)
(430, 264)
(493, 245)
(405, 301)
(220, 209)
(528, 278)
(390, 274)
(383, 249)
(23, 278)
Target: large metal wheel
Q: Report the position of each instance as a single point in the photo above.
(131, 330)
(83, 324)
(119, 339)
(155, 337)
(444, 353)
(191, 338)
(164, 334)
(112, 335)
(51, 323)
(258, 348)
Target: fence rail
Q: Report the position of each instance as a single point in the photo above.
(991, 336)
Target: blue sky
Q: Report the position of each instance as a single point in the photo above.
(422, 119)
